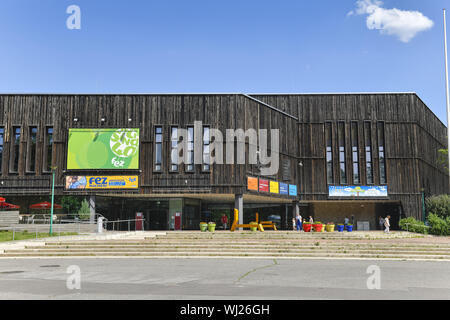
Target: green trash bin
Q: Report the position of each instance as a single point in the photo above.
(203, 226)
(211, 227)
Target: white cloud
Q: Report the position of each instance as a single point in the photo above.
(400, 23)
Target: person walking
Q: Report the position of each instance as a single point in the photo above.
(381, 222)
(224, 221)
(298, 219)
(387, 224)
(311, 220)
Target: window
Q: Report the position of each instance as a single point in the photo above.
(329, 145)
(15, 151)
(355, 152)
(158, 148)
(381, 153)
(206, 156)
(31, 152)
(342, 163)
(190, 150)
(2, 137)
(48, 153)
(368, 149)
(174, 149)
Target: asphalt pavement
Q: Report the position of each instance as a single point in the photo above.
(222, 279)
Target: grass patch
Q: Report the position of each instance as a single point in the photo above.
(24, 235)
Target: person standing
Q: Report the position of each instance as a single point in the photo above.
(387, 224)
(381, 222)
(298, 219)
(224, 221)
(311, 220)
(345, 223)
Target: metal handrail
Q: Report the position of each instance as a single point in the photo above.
(105, 223)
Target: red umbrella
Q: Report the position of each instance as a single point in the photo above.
(2, 199)
(5, 205)
(45, 206)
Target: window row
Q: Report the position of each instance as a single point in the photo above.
(17, 135)
(175, 140)
(355, 152)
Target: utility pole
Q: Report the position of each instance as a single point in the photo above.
(447, 96)
(53, 200)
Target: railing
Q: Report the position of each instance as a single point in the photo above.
(40, 228)
(118, 223)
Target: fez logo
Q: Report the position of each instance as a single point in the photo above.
(123, 144)
(209, 147)
(73, 22)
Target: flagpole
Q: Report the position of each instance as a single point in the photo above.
(447, 96)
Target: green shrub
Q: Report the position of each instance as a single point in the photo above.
(412, 225)
(439, 205)
(85, 212)
(439, 226)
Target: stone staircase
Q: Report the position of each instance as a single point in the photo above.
(267, 245)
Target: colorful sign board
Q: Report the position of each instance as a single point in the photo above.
(293, 190)
(263, 185)
(102, 182)
(103, 149)
(252, 184)
(284, 188)
(358, 191)
(274, 187)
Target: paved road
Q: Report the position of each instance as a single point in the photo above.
(222, 279)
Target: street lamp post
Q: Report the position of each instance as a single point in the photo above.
(447, 94)
(53, 200)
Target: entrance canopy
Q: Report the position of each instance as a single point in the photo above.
(212, 197)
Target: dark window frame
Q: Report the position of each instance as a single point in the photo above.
(190, 165)
(31, 156)
(368, 152)
(329, 153)
(382, 152)
(174, 167)
(354, 130)
(45, 163)
(156, 144)
(206, 167)
(15, 153)
(2, 147)
(342, 153)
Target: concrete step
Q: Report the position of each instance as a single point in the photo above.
(240, 247)
(262, 255)
(224, 250)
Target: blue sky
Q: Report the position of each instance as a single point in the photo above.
(217, 46)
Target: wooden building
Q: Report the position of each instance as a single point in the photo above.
(386, 144)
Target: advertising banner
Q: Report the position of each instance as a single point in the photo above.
(103, 149)
(252, 184)
(274, 187)
(293, 190)
(284, 188)
(102, 182)
(263, 185)
(358, 191)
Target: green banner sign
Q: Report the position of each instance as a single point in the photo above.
(103, 149)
